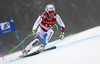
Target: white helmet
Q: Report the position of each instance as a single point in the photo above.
(50, 9)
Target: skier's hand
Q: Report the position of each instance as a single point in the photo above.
(33, 31)
(62, 35)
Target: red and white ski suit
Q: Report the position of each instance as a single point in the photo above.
(45, 28)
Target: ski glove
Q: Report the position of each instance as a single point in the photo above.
(62, 35)
(33, 31)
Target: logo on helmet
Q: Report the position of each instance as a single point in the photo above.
(51, 8)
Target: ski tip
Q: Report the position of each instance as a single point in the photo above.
(37, 51)
(54, 46)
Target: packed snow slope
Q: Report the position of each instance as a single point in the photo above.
(80, 48)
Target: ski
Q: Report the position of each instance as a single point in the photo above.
(37, 52)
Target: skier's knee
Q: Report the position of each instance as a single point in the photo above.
(38, 36)
(37, 39)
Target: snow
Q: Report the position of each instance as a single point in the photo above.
(80, 48)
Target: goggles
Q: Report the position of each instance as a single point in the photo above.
(51, 12)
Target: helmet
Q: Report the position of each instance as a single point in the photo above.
(50, 9)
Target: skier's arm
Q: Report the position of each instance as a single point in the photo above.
(36, 24)
(60, 22)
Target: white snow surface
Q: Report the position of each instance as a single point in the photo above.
(80, 48)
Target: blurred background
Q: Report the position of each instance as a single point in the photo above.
(78, 15)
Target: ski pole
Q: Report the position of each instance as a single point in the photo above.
(58, 31)
(21, 43)
(56, 26)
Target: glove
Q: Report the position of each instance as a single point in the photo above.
(33, 31)
(62, 35)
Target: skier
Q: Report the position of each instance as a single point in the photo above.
(45, 22)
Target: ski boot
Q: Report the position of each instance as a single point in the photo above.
(24, 53)
(41, 48)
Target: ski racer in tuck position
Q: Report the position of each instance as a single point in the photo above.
(45, 22)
